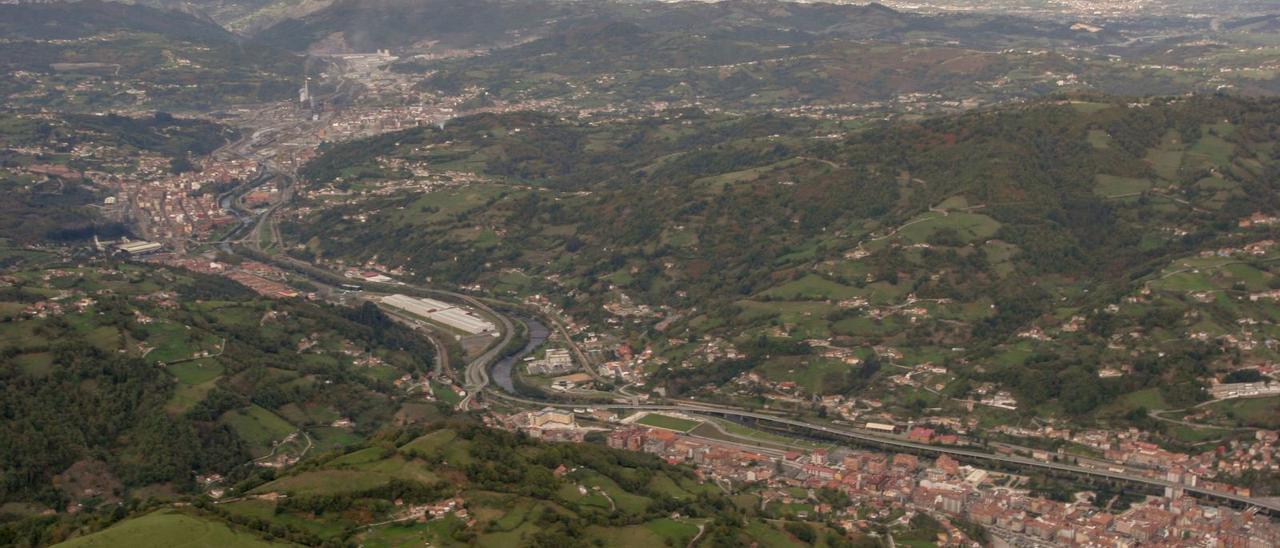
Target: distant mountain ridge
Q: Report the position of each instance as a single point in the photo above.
(241, 16)
(71, 20)
(365, 25)
(167, 59)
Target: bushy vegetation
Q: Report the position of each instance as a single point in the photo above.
(519, 492)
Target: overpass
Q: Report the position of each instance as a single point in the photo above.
(1271, 507)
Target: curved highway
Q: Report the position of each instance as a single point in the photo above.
(476, 375)
(477, 380)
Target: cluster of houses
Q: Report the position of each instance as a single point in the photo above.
(1214, 468)
(174, 206)
(945, 487)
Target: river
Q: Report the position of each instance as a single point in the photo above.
(502, 370)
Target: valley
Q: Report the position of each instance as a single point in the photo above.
(633, 273)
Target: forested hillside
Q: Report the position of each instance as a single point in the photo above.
(395, 23)
(489, 487)
(599, 65)
(949, 237)
(121, 379)
(362, 26)
(72, 20)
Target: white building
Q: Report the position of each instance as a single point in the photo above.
(439, 311)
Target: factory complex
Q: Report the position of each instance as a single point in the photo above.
(439, 311)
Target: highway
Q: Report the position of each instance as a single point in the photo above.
(442, 354)
(477, 381)
(1272, 507)
(476, 375)
(477, 372)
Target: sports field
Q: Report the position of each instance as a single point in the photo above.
(668, 423)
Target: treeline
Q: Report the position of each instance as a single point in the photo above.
(57, 212)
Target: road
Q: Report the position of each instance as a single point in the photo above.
(573, 347)
(477, 372)
(1158, 414)
(864, 437)
(476, 375)
(442, 352)
(702, 527)
(477, 381)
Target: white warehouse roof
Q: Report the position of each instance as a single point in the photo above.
(449, 314)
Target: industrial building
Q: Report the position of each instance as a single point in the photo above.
(557, 362)
(140, 247)
(439, 311)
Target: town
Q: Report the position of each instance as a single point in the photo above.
(849, 486)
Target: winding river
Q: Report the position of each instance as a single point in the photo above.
(502, 370)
